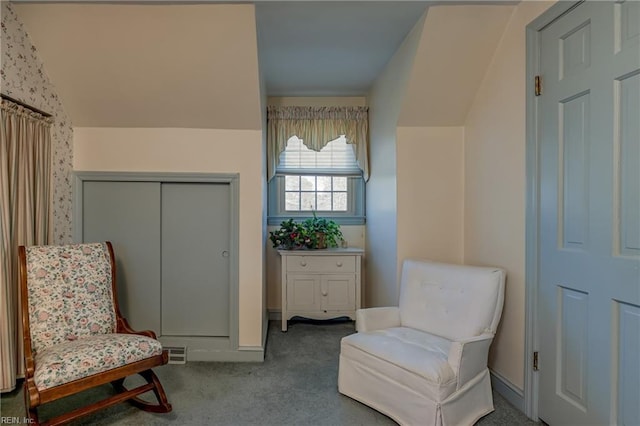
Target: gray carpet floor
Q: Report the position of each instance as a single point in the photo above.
(296, 385)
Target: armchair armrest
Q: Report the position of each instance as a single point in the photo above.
(377, 318)
(468, 357)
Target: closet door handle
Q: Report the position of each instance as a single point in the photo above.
(225, 253)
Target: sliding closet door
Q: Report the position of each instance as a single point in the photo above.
(128, 215)
(195, 259)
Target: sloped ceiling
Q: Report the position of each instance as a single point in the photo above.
(196, 65)
(126, 65)
(455, 50)
(338, 48)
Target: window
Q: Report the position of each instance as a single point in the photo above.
(307, 193)
(328, 182)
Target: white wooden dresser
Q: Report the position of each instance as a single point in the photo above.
(321, 284)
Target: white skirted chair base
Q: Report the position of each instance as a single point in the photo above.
(424, 362)
(408, 406)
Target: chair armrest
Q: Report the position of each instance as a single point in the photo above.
(377, 318)
(31, 394)
(468, 357)
(124, 328)
(29, 365)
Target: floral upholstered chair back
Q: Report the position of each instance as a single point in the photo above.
(70, 293)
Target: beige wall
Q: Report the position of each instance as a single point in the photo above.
(264, 195)
(430, 193)
(494, 195)
(201, 151)
(175, 65)
(455, 49)
(385, 102)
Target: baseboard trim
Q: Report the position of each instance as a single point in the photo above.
(243, 354)
(275, 315)
(508, 390)
(265, 329)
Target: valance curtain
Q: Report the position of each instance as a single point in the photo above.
(25, 179)
(317, 126)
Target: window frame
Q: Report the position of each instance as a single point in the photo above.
(354, 215)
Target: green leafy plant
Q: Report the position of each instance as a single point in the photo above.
(313, 233)
(323, 232)
(291, 235)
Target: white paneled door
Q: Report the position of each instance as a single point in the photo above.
(589, 216)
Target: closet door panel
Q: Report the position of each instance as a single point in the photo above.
(195, 259)
(128, 215)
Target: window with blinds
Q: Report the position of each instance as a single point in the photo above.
(328, 181)
(336, 157)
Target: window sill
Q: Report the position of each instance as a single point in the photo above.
(340, 220)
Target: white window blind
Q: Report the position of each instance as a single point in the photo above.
(337, 157)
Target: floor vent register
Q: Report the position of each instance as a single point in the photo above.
(177, 354)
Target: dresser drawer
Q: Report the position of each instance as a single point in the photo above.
(323, 264)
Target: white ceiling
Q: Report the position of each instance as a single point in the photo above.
(330, 48)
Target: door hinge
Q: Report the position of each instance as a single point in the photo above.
(535, 361)
(538, 85)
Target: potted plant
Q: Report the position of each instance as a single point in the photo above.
(313, 233)
(290, 236)
(323, 232)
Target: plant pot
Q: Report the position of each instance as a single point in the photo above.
(291, 247)
(322, 242)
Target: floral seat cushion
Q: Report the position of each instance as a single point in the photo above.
(73, 360)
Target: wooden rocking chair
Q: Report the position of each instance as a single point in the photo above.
(74, 335)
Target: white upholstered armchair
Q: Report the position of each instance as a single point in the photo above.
(425, 361)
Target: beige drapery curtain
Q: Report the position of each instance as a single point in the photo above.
(317, 126)
(25, 168)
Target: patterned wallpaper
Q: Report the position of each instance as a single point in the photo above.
(23, 77)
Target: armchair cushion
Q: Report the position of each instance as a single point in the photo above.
(73, 360)
(452, 301)
(415, 359)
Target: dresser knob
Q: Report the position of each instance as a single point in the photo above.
(303, 263)
(324, 293)
(339, 264)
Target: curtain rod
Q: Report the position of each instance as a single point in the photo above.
(27, 106)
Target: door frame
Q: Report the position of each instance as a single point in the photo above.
(232, 179)
(532, 215)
